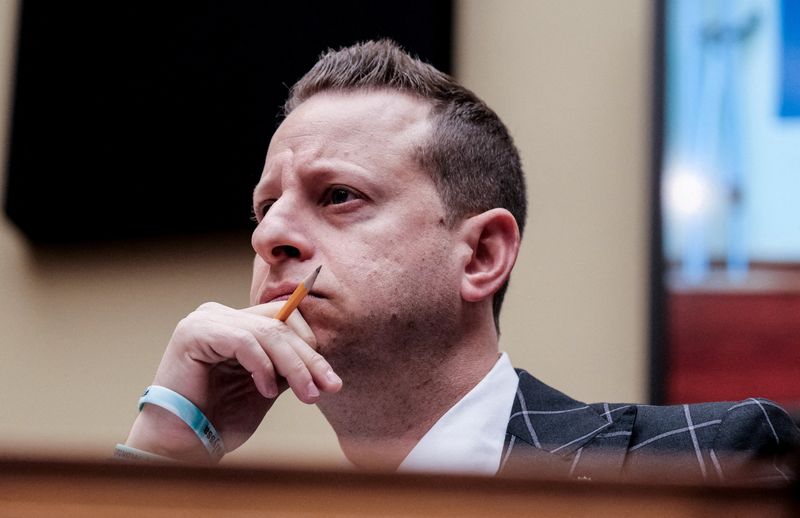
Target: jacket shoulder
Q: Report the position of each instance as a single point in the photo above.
(753, 440)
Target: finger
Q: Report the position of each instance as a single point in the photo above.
(213, 306)
(219, 341)
(253, 358)
(281, 344)
(321, 371)
(299, 325)
(295, 320)
(221, 328)
(270, 309)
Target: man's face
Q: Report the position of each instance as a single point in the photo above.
(341, 188)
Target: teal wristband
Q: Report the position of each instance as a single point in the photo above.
(189, 414)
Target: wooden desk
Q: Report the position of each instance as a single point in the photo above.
(66, 489)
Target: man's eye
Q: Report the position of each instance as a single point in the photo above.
(261, 210)
(339, 195)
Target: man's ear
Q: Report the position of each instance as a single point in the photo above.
(493, 239)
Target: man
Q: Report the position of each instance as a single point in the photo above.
(408, 190)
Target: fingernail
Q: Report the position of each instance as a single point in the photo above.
(312, 390)
(332, 377)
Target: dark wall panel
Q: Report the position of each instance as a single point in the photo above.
(152, 118)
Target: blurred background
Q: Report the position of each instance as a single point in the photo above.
(132, 136)
(730, 175)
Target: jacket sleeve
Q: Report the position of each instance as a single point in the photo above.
(756, 442)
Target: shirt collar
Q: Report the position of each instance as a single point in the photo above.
(469, 437)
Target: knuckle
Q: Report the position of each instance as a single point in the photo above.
(185, 321)
(296, 368)
(240, 336)
(317, 360)
(266, 365)
(269, 327)
(193, 322)
(209, 306)
(189, 325)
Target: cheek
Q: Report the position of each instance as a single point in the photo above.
(397, 249)
(399, 259)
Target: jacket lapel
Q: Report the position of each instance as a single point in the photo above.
(552, 434)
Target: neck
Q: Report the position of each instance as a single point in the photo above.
(386, 407)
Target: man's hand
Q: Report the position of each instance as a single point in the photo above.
(232, 364)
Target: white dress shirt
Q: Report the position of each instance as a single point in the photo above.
(469, 437)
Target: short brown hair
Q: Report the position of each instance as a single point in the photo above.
(470, 154)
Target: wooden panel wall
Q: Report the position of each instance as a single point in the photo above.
(736, 340)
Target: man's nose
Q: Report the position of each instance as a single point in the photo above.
(282, 234)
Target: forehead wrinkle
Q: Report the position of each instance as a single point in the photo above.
(397, 141)
(315, 133)
(408, 118)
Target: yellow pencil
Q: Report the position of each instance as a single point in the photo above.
(298, 295)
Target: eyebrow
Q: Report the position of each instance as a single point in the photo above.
(321, 170)
(326, 170)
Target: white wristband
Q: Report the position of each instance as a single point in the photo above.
(189, 414)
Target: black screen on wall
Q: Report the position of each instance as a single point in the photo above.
(135, 119)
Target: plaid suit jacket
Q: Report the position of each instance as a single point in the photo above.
(752, 441)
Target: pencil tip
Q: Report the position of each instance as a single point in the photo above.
(309, 281)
